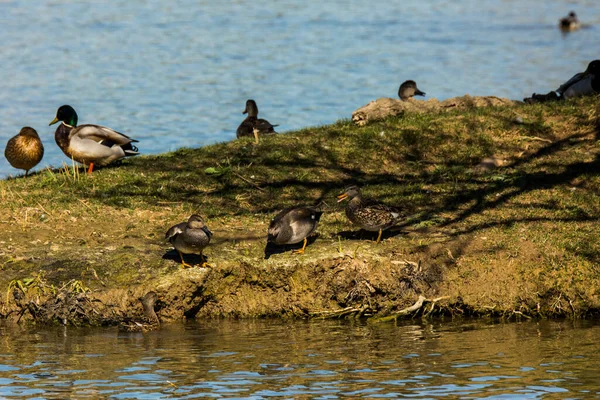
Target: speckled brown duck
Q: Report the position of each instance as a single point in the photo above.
(293, 225)
(409, 89)
(90, 144)
(190, 237)
(25, 150)
(370, 215)
(252, 125)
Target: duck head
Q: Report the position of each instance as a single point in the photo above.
(196, 222)
(29, 132)
(66, 114)
(251, 108)
(349, 193)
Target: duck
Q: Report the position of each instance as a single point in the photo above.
(150, 320)
(293, 225)
(190, 237)
(409, 89)
(25, 150)
(582, 84)
(371, 215)
(252, 125)
(90, 144)
(569, 23)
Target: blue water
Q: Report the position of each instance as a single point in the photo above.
(178, 73)
(320, 359)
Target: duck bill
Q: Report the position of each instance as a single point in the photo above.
(55, 120)
(419, 93)
(342, 197)
(245, 111)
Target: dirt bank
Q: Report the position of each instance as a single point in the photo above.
(501, 202)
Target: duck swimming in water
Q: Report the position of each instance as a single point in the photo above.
(370, 215)
(252, 125)
(569, 23)
(25, 150)
(409, 89)
(90, 144)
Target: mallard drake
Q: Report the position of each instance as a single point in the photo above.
(293, 225)
(25, 150)
(252, 125)
(409, 89)
(90, 144)
(370, 215)
(569, 23)
(190, 237)
(583, 83)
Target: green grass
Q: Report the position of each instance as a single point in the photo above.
(516, 237)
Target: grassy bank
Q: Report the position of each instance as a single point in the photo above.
(502, 202)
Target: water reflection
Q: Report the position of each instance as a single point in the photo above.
(321, 359)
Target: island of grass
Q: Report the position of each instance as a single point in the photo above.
(502, 208)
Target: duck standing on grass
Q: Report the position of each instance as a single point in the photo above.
(90, 144)
(190, 237)
(252, 125)
(25, 150)
(409, 89)
(370, 215)
(293, 225)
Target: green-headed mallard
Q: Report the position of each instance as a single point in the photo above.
(293, 225)
(569, 23)
(90, 144)
(409, 89)
(370, 215)
(582, 84)
(190, 237)
(252, 125)
(25, 150)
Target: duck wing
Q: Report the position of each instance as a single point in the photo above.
(101, 134)
(176, 230)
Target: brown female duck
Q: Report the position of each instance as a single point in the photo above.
(252, 125)
(370, 215)
(25, 150)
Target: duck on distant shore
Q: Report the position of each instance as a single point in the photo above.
(252, 125)
(371, 215)
(90, 144)
(409, 89)
(25, 150)
(581, 84)
(569, 23)
(293, 225)
(190, 237)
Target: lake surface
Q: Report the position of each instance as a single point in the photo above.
(178, 73)
(318, 359)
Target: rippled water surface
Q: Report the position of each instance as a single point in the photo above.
(177, 73)
(320, 359)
